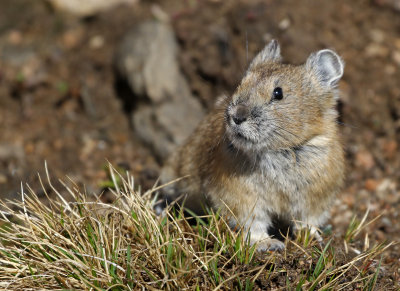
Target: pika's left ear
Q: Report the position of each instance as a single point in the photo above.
(270, 53)
(327, 66)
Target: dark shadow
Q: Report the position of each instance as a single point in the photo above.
(124, 93)
(280, 227)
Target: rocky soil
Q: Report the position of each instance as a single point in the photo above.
(66, 100)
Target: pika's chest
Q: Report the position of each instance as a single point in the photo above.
(278, 171)
(270, 177)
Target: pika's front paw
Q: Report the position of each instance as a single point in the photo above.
(270, 245)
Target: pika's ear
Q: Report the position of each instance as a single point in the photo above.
(327, 66)
(270, 53)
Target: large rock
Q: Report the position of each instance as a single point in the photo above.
(164, 112)
(84, 8)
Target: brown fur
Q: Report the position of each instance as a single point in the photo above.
(291, 162)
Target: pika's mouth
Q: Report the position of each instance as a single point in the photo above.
(241, 139)
(237, 136)
(241, 136)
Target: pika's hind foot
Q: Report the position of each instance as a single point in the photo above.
(270, 244)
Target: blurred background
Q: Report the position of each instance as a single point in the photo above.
(83, 82)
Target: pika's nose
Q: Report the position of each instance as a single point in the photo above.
(240, 114)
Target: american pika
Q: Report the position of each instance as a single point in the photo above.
(269, 156)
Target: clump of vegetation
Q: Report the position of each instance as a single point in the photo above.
(78, 243)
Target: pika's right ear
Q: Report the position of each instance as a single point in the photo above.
(327, 66)
(270, 53)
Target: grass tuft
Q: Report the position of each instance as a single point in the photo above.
(78, 243)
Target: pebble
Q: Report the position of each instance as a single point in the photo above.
(58, 144)
(348, 199)
(29, 148)
(386, 221)
(3, 179)
(376, 50)
(371, 184)
(71, 38)
(396, 57)
(390, 69)
(11, 151)
(159, 13)
(377, 35)
(342, 217)
(386, 185)
(88, 7)
(267, 37)
(386, 191)
(89, 145)
(15, 37)
(365, 160)
(284, 24)
(390, 148)
(380, 234)
(397, 43)
(96, 42)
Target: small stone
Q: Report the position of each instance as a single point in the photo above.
(121, 138)
(89, 145)
(396, 57)
(380, 235)
(342, 217)
(96, 42)
(58, 144)
(371, 184)
(101, 145)
(14, 37)
(29, 148)
(397, 43)
(390, 69)
(386, 191)
(267, 37)
(376, 50)
(3, 179)
(88, 7)
(386, 221)
(390, 148)
(284, 24)
(348, 199)
(159, 13)
(71, 38)
(365, 160)
(377, 35)
(364, 195)
(11, 151)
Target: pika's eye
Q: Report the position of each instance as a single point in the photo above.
(277, 94)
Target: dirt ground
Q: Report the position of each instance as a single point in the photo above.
(58, 102)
